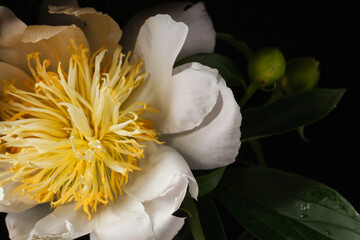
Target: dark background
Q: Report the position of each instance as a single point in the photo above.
(298, 28)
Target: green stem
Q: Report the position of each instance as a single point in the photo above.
(249, 92)
(193, 217)
(277, 94)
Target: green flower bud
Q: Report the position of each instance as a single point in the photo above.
(266, 66)
(301, 74)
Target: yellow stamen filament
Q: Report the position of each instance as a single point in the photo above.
(72, 139)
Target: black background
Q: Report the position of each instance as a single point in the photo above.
(298, 28)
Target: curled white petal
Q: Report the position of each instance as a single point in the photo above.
(160, 210)
(216, 141)
(161, 186)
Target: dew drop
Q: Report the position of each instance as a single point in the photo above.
(303, 216)
(328, 233)
(304, 207)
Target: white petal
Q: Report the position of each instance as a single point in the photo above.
(193, 94)
(20, 224)
(159, 42)
(57, 19)
(216, 141)
(50, 41)
(11, 202)
(201, 37)
(10, 26)
(100, 29)
(9, 72)
(36, 33)
(62, 223)
(162, 170)
(123, 219)
(93, 236)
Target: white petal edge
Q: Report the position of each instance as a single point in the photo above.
(62, 223)
(57, 19)
(9, 72)
(201, 37)
(160, 210)
(162, 185)
(216, 141)
(20, 224)
(10, 26)
(162, 170)
(159, 42)
(51, 41)
(123, 219)
(100, 29)
(192, 95)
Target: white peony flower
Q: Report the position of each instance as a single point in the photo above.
(98, 141)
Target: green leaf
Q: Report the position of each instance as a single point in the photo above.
(193, 217)
(246, 236)
(273, 204)
(208, 182)
(259, 152)
(289, 113)
(210, 219)
(241, 46)
(226, 67)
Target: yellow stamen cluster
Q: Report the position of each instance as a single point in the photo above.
(74, 137)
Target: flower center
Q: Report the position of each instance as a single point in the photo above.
(73, 137)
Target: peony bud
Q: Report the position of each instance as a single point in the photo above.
(301, 74)
(266, 66)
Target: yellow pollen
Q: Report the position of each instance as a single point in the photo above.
(73, 138)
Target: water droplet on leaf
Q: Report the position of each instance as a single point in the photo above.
(304, 207)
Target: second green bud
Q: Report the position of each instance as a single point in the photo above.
(301, 74)
(266, 66)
